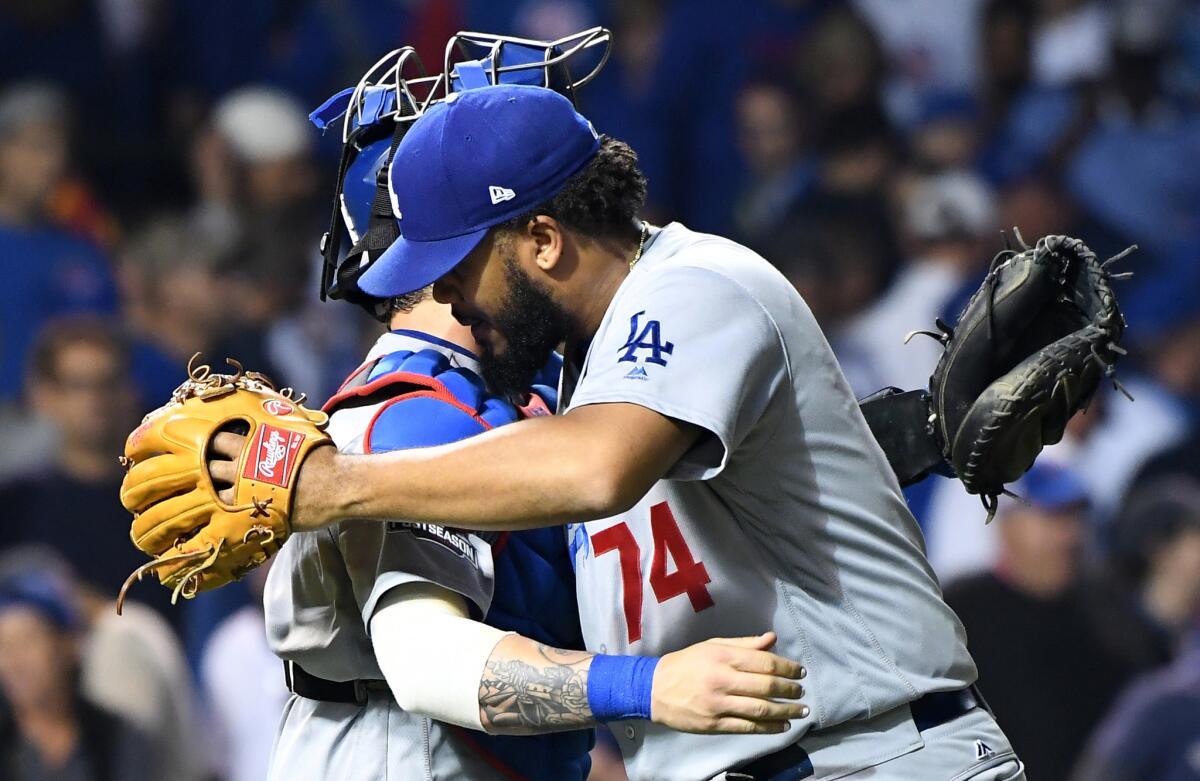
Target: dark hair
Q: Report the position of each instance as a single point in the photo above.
(60, 335)
(408, 301)
(603, 199)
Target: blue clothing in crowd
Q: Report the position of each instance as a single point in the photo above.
(47, 273)
(1153, 732)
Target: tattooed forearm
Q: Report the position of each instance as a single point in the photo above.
(525, 691)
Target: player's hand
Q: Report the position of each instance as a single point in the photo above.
(728, 685)
(311, 487)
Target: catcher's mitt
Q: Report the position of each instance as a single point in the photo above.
(197, 540)
(1028, 352)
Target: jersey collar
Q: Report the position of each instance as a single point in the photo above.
(405, 339)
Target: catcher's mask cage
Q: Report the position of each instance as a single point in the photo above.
(377, 112)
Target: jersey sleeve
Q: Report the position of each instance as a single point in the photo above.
(383, 556)
(692, 344)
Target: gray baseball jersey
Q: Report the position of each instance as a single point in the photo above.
(784, 515)
(320, 595)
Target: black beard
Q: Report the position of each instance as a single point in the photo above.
(532, 324)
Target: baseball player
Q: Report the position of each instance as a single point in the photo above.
(367, 616)
(724, 478)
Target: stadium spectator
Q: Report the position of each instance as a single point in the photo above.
(1071, 41)
(1152, 600)
(1042, 664)
(930, 48)
(1027, 127)
(858, 154)
(131, 664)
(1126, 170)
(1163, 377)
(244, 686)
(669, 92)
(51, 732)
(178, 301)
(840, 64)
(79, 380)
(253, 157)
(1153, 730)
(47, 272)
(770, 139)
(945, 134)
(838, 258)
(271, 291)
(949, 226)
(290, 45)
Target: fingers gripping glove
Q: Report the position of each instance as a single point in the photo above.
(1029, 351)
(197, 541)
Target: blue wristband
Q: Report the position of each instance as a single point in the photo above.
(619, 687)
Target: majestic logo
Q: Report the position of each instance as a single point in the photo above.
(273, 455)
(646, 336)
(500, 194)
(278, 407)
(983, 750)
(637, 373)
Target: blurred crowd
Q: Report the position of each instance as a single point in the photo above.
(162, 193)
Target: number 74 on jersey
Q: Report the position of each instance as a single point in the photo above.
(688, 576)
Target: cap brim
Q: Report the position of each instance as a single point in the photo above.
(411, 265)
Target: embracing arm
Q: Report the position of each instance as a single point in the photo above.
(593, 462)
(442, 664)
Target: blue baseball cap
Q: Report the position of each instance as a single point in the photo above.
(43, 594)
(473, 161)
(1052, 487)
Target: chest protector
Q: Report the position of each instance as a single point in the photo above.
(411, 399)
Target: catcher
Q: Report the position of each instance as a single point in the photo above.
(666, 455)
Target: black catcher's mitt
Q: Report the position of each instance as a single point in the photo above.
(1028, 352)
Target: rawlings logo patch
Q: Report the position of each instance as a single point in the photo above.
(278, 407)
(273, 455)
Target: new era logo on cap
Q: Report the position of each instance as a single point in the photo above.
(500, 194)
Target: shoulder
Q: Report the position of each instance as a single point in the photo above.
(701, 267)
(420, 420)
(435, 403)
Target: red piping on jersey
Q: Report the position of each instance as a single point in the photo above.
(488, 756)
(345, 382)
(423, 381)
(428, 387)
(433, 389)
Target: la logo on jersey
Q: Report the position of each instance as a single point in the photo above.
(500, 194)
(645, 336)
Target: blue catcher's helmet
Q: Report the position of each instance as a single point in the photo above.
(377, 112)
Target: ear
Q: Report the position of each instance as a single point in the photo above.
(548, 241)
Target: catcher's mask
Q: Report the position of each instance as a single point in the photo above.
(378, 111)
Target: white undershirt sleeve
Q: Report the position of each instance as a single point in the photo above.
(431, 653)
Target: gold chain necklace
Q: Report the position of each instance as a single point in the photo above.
(641, 245)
